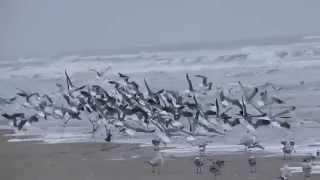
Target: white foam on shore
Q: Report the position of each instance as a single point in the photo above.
(115, 159)
(176, 149)
(315, 169)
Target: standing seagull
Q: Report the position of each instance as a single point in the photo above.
(306, 168)
(285, 172)
(252, 163)
(156, 162)
(198, 162)
(287, 149)
(215, 169)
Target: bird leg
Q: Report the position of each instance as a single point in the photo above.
(198, 170)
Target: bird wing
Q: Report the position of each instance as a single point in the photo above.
(85, 94)
(147, 87)
(244, 90)
(218, 108)
(33, 118)
(204, 79)
(253, 94)
(283, 112)
(5, 115)
(244, 108)
(48, 98)
(67, 99)
(21, 124)
(123, 76)
(79, 88)
(277, 100)
(22, 94)
(93, 70)
(69, 82)
(12, 99)
(16, 115)
(189, 82)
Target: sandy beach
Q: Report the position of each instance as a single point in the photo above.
(102, 161)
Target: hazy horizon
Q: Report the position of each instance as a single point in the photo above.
(42, 27)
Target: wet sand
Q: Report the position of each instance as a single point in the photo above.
(102, 161)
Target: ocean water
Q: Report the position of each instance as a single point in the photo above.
(284, 64)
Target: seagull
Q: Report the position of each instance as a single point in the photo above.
(102, 73)
(71, 87)
(156, 162)
(215, 169)
(108, 134)
(65, 114)
(14, 117)
(204, 82)
(250, 141)
(274, 118)
(306, 168)
(124, 77)
(267, 101)
(234, 102)
(199, 163)
(30, 120)
(28, 96)
(248, 97)
(252, 163)
(287, 149)
(7, 100)
(285, 172)
(21, 118)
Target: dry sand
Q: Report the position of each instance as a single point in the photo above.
(93, 161)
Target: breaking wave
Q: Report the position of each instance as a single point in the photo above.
(307, 53)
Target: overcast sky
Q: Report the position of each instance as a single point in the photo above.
(47, 27)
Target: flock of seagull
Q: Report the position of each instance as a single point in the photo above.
(120, 106)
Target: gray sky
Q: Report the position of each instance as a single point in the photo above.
(47, 27)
